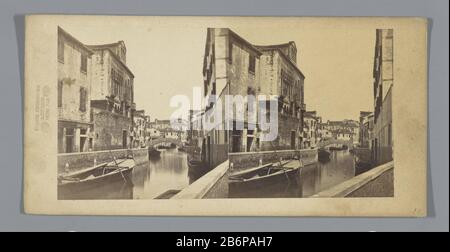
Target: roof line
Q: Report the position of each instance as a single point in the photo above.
(245, 41)
(65, 33)
(290, 62)
(116, 58)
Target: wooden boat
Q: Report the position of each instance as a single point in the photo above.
(81, 182)
(196, 166)
(167, 194)
(323, 155)
(152, 152)
(273, 177)
(337, 148)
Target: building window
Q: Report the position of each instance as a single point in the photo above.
(267, 109)
(60, 93)
(83, 66)
(61, 50)
(230, 52)
(251, 64)
(83, 94)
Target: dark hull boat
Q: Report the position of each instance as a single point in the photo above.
(197, 168)
(168, 194)
(323, 155)
(338, 148)
(275, 179)
(152, 152)
(87, 182)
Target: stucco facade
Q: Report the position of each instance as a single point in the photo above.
(74, 86)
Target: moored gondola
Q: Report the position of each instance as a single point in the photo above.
(90, 179)
(274, 177)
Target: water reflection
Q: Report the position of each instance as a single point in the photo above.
(316, 178)
(167, 172)
(311, 179)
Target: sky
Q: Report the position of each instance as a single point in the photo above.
(166, 56)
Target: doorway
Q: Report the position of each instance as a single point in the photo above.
(69, 140)
(124, 139)
(293, 140)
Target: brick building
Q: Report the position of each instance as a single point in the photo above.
(234, 66)
(281, 76)
(112, 97)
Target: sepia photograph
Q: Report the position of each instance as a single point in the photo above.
(173, 108)
(224, 124)
(113, 143)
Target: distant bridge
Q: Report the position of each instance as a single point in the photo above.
(159, 141)
(327, 142)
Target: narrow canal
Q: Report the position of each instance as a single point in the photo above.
(316, 178)
(161, 174)
(169, 173)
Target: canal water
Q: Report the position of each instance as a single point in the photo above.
(310, 180)
(316, 178)
(169, 173)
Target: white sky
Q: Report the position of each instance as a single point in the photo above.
(166, 58)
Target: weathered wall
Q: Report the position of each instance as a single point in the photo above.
(382, 186)
(377, 182)
(70, 80)
(384, 80)
(219, 190)
(363, 154)
(219, 153)
(102, 63)
(108, 129)
(381, 131)
(286, 125)
(213, 184)
(240, 77)
(100, 75)
(272, 64)
(82, 160)
(244, 160)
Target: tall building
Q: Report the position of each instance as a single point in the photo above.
(281, 76)
(140, 123)
(74, 87)
(383, 75)
(234, 66)
(112, 97)
(365, 129)
(311, 129)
